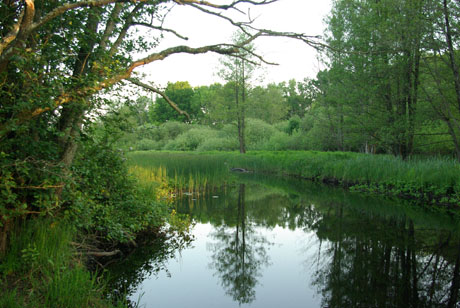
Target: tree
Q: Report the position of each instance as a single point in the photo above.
(181, 93)
(56, 57)
(375, 55)
(299, 96)
(267, 103)
(237, 71)
(440, 72)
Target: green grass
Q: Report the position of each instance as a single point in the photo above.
(432, 180)
(41, 269)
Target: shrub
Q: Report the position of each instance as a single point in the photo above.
(257, 133)
(148, 144)
(104, 199)
(219, 144)
(172, 129)
(191, 140)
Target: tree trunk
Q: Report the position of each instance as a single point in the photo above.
(453, 64)
(240, 110)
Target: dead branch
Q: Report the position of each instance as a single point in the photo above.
(102, 253)
(167, 99)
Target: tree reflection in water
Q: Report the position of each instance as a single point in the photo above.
(367, 252)
(238, 255)
(370, 262)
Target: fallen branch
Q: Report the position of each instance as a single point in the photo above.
(102, 253)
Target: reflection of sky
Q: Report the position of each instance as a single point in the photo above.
(284, 283)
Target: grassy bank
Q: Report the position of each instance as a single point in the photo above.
(43, 269)
(431, 181)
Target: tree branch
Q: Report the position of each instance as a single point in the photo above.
(124, 31)
(110, 25)
(223, 49)
(159, 28)
(11, 36)
(167, 99)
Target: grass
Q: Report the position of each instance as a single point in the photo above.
(41, 269)
(432, 180)
(180, 173)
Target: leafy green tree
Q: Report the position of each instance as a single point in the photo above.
(299, 96)
(181, 93)
(237, 71)
(374, 64)
(267, 103)
(56, 57)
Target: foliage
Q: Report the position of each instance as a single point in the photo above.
(41, 269)
(105, 199)
(257, 133)
(182, 94)
(191, 140)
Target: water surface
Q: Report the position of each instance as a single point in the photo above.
(275, 243)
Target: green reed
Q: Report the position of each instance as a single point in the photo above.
(433, 180)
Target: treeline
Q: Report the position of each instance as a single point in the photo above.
(276, 118)
(391, 85)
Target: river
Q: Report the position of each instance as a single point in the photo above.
(272, 242)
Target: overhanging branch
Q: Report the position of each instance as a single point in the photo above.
(150, 26)
(167, 99)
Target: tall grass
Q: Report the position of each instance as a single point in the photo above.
(180, 172)
(41, 269)
(433, 180)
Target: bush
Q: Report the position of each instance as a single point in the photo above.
(105, 199)
(172, 129)
(219, 144)
(191, 140)
(257, 133)
(282, 141)
(148, 145)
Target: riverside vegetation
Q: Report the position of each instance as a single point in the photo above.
(431, 181)
(381, 117)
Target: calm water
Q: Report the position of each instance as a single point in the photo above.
(277, 243)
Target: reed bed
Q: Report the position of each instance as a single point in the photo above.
(432, 180)
(178, 173)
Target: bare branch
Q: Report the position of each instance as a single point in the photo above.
(167, 99)
(220, 15)
(223, 6)
(159, 28)
(311, 40)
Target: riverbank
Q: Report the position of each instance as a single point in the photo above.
(429, 181)
(43, 269)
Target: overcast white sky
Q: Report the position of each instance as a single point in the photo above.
(296, 59)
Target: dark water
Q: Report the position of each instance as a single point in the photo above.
(277, 243)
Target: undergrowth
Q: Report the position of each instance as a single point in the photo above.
(42, 269)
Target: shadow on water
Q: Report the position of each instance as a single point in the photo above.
(148, 260)
(363, 252)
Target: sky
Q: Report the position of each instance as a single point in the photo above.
(296, 59)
